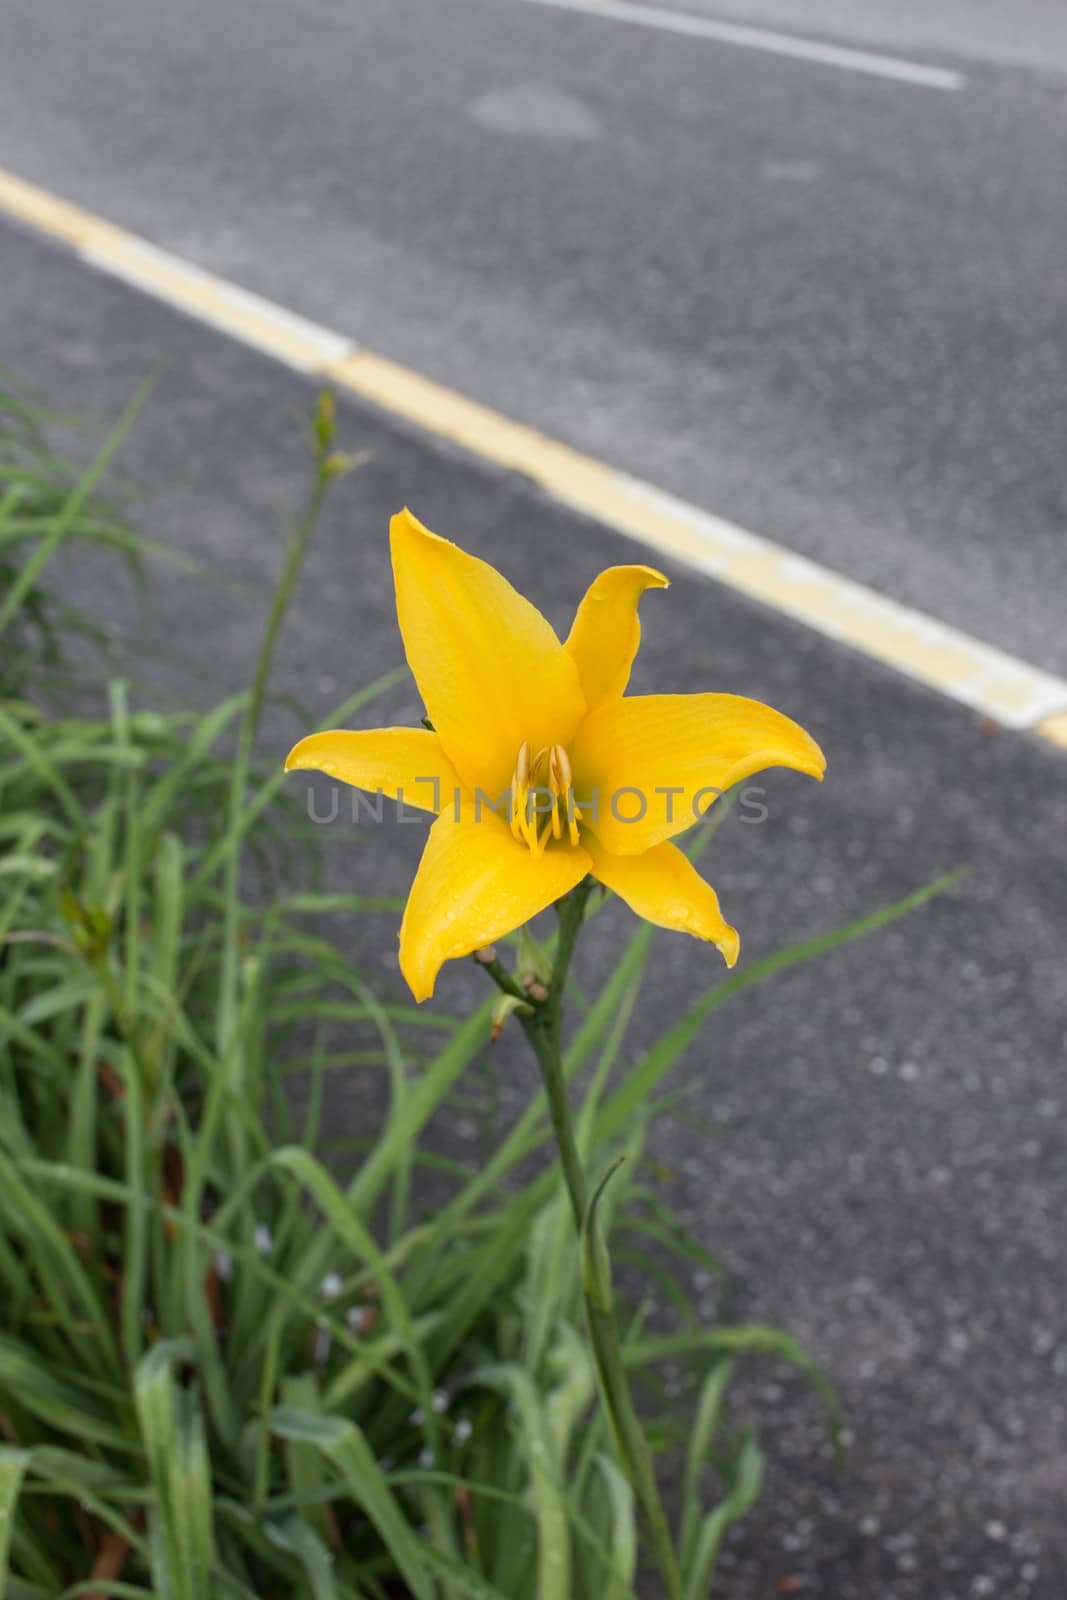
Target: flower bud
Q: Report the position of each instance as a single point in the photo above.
(323, 423)
(501, 1012)
(534, 966)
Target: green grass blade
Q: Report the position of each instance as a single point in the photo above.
(708, 1412)
(62, 522)
(753, 1338)
(534, 1436)
(293, 1535)
(748, 1477)
(62, 1404)
(13, 1464)
(622, 1542)
(361, 1478)
(172, 1431)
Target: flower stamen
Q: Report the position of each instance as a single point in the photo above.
(547, 776)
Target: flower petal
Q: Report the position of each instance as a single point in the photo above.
(489, 666)
(475, 883)
(407, 764)
(664, 887)
(606, 632)
(631, 752)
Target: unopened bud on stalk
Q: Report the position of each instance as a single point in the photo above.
(322, 423)
(486, 955)
(533, 967)
(501, 1012)
(340, 462)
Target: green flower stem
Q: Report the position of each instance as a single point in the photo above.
(543, 1026)
(556, 1090)
(544, 1029)
(630, 1438)
(504, 980)
(326, 470)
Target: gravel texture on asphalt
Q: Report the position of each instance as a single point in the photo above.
(875, 1143)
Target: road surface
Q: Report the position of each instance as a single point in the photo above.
(826, 304)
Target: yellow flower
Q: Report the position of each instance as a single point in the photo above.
(538, 767)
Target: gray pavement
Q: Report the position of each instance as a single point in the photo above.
(829, 307)
(876, 1144)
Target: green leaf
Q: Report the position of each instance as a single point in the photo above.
(754, 1338)
(13, 1464)
(596, 1265)
(63, 521)
(360, 1477)
(293, 1535)
(708, 1412)
(748, 1476)
(623, 1539)
(181, 1535)
(569, 1400)
(463, 1580)
(534, 1435)
(63, 1404)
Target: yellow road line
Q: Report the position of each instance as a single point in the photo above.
(47, 213)
(1054, 729)
(249, 317)
(990, 681)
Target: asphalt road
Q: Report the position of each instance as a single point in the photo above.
(875, 1144)
(827, 306)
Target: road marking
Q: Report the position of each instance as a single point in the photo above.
(49, 214)
(1054, 729)
(765, 39)
(990, 681)
(301, 344)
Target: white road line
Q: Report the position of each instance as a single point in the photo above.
(776, 44)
